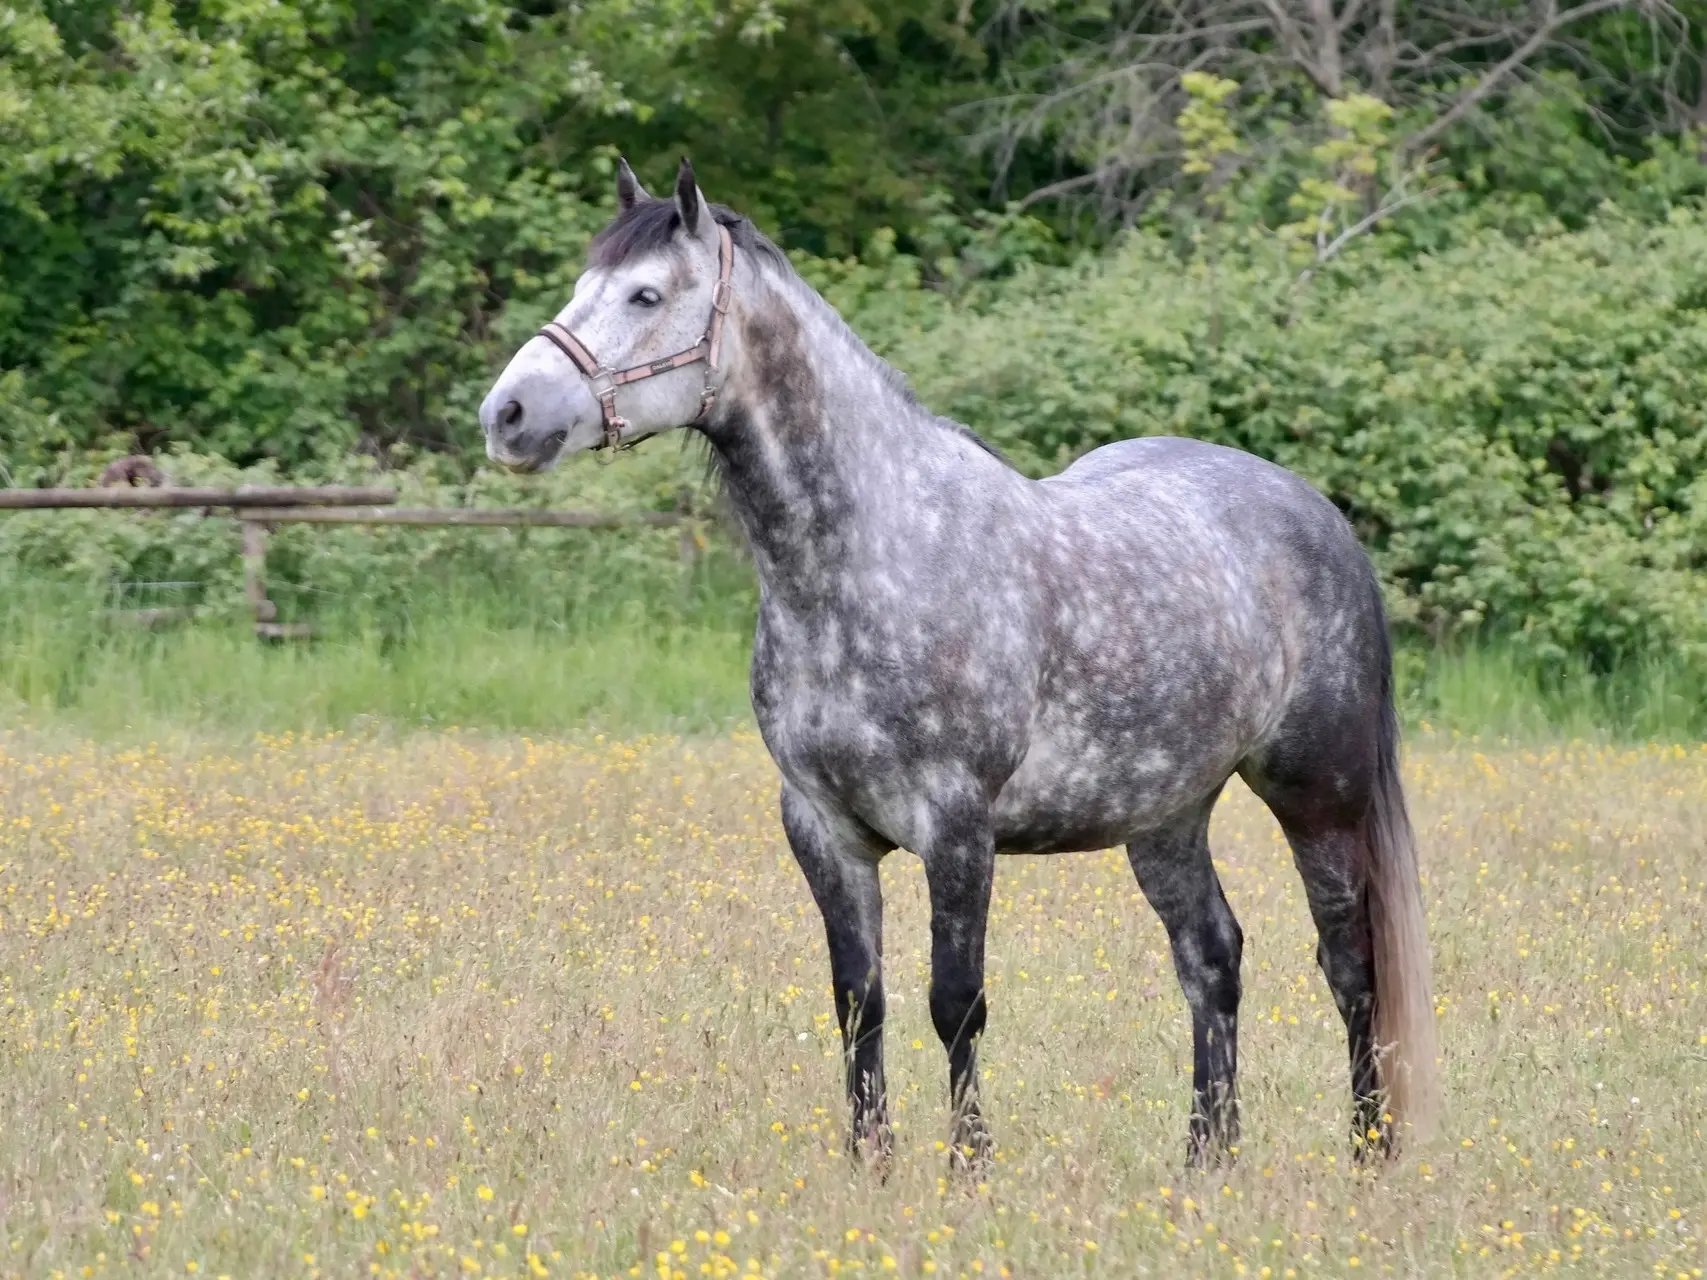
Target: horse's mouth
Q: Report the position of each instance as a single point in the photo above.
(543, 459)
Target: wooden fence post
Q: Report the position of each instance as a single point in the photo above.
(267, 625)
(255, 572)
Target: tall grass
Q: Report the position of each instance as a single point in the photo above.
(446, 653)
(1494, 690)
(620, 657)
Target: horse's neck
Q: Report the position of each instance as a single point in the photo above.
(819, 444)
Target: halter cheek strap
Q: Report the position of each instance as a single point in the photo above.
(604, 382)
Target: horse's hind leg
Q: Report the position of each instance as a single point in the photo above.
(1329, 772)
(1321, 810)
(1333, 861)
(1176, 873)
(840, 862)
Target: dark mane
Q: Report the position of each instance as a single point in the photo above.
(649, 226)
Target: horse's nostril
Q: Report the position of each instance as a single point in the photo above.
(511, 414)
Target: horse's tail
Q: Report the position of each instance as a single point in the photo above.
(1404, 1003)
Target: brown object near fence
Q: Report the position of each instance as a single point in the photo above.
(137, 469)
(258, 508)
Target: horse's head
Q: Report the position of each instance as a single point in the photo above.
(636, 351)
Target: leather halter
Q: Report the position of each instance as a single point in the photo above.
(604, 382)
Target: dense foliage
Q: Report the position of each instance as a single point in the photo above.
(296, 237)
(287, 230)
(1518, 432)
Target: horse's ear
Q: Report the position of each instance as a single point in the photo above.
(629, 192)
(690, 203)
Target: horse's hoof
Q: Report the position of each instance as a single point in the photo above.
(871, 1143)
(972, 1152)
(1203, 1155)
(1373, 1147)
(967, 1163)
(874, 1152)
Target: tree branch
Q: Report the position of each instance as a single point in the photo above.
(1060, 188)
(1106, 96)
(1297, 48)
(1328, 252)
(1330, 68)
(1491, 79)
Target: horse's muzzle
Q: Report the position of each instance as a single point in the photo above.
(516, 441)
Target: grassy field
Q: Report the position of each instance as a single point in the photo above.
(652, 648)
(640, 657)
(463, 1004)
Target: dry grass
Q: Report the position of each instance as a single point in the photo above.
(464, 1005)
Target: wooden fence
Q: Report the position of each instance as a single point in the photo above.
(246, 496)
(258, 508)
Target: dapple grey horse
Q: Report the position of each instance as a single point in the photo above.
(961, 661)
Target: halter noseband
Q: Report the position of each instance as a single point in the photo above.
(604, 382)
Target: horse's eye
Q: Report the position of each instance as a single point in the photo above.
(646, 298)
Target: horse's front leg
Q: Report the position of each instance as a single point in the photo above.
(840, 861)
(960, 868)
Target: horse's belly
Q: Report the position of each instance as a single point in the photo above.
(1070, 796)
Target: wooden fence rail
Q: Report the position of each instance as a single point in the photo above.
(247, 496)
(258, 508)
(428, 517)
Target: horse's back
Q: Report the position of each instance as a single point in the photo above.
(1236, 504)
(1213, 475)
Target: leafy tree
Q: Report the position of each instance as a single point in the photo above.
(824, 119)
(295, 229)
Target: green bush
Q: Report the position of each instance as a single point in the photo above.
(1518, 431)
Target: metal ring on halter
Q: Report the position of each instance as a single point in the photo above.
(603, 382)
(615, 423)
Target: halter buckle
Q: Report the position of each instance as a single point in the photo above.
(602, 383)
(615, 423)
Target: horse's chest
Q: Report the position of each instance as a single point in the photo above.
(866, 720)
